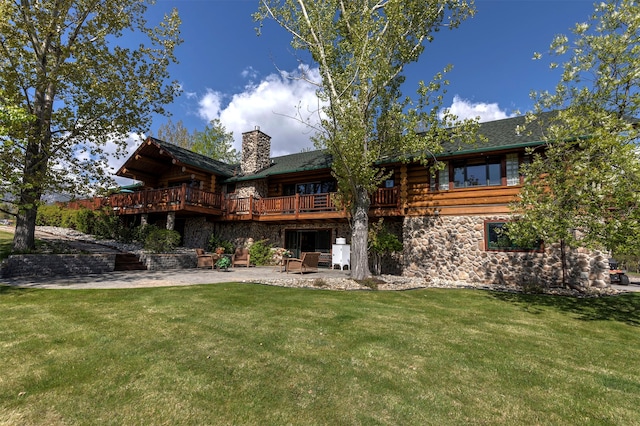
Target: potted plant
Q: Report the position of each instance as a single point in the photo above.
(223, 263)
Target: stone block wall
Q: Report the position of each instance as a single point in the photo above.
(452, 248)
(160, 262)
(57, 264)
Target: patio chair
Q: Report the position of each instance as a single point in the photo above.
(308, 262)
(241, 257)
(205, 260)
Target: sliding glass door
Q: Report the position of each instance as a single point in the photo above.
(298, 241)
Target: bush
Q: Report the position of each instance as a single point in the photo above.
(381, 242)
(162, 240)
(260, 253)
(49, 215)
(215, 242)
(85, 220)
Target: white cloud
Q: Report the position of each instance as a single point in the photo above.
(132, 141)
(464, 108)
(210, 105)
(249, 73)
(276, 105)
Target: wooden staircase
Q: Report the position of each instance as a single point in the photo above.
(128, 262)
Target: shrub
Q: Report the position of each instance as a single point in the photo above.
(162, 240)
(49, 215)
(215, 242)
(223, 263)
(381, 241)
(68, 218)
(260, 252)
(85, 220)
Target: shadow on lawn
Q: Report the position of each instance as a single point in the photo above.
(623, 308)
(14, 291)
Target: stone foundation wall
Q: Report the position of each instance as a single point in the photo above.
(452, 248)
(197, 232)
(57, 264)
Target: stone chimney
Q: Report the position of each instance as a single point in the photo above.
(256, 151)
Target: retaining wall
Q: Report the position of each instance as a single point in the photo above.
(160, 262)
(57, 264)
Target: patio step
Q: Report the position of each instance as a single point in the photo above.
(128, 262)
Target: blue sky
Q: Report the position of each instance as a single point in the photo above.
(228, 72)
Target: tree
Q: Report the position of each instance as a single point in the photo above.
(216, 143)
(583, 187)
(176, 134)
(381, 242)
(61, 63)
(361, 49)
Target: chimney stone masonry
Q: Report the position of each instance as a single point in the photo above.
(256, 151)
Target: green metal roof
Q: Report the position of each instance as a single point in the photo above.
(503, 134)
(292, 163)
(499, 134)
(196, 160)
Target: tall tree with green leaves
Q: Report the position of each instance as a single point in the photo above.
(215, 142)
(583, 186)
(176, 134)
(62, 63)
(361, 49)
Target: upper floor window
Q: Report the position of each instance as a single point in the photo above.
(484, 172)
(308, 188)
(443, 177)
(513, 170)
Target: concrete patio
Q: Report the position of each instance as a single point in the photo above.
(173, 277)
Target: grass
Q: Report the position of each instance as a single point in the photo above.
(251, 354)
(6, 238)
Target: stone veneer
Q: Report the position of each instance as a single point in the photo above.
(256, 156)
(197, 231)
(452, 248)
(256, 151)
(255, 188)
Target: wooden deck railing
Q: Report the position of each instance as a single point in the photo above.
(385, 197)
(182, 197)
(161, 199)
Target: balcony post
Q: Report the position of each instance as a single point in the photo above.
(183, 195)
(297, 205)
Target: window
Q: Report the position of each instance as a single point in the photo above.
(513, 170)
(309, 188)
(496, 239)
(443, 177)
(486, 172)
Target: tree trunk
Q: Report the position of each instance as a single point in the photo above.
(24, 237)
(360, 236)
(36, 161)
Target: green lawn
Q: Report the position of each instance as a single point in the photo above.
(5, 244)
(250, 354)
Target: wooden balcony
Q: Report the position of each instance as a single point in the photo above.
(181, 198)
(295, 207)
